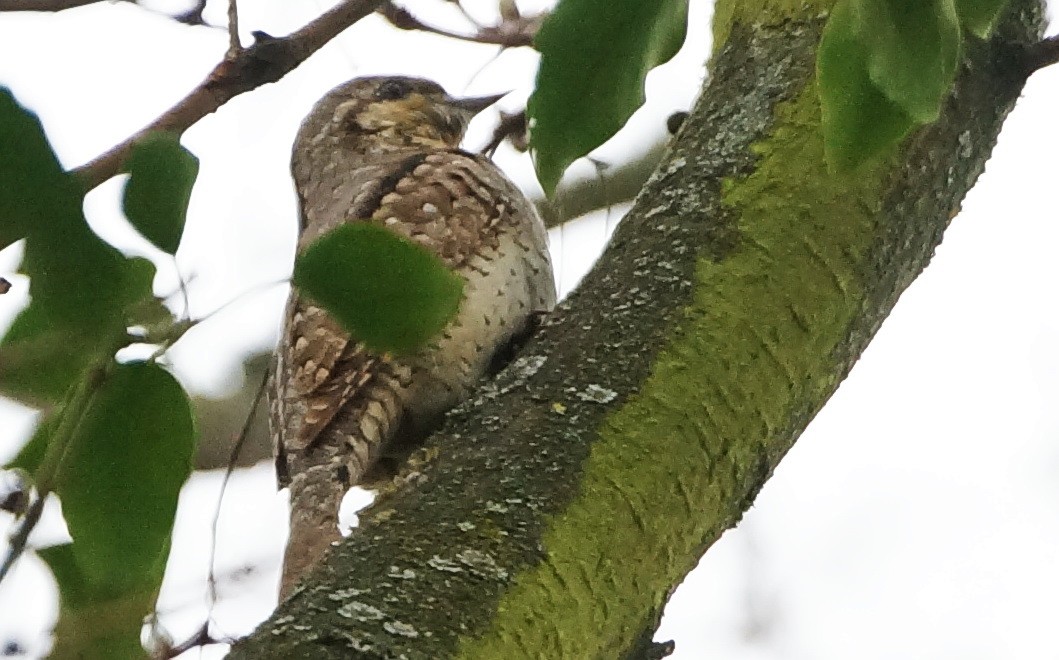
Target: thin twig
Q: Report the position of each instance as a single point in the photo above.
(21, 537)
(234, 45)
(466, 14)
(509, 34)
(202, 636)
(233, 458)
(267, 60)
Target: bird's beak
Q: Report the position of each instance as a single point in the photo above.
(456, 113)
(472, 105)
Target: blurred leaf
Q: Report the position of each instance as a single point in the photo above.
(912, 49)
(595, 55)
(161, 175)
(388, 292)
(34, 189)
(980, 16)
(121, 473)
(74, 589)
(39, 360)
(858, 120)
(139, 280)
(77, 280)
(94, 624)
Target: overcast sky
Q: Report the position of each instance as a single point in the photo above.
(918, 517)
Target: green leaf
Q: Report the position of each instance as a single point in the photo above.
(161, 175)
(858, 120)
(40, 360)
(139, 282)
(41, 356)
(94, 624)
(912, 50)
(388, 292)
(980, 16)
(595, 55)
(78, 280)
(74, 589)
(34, 189)
(121, 474)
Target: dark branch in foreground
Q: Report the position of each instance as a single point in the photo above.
(1041, 54)
(266, 61)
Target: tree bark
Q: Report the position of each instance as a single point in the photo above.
(558, 509)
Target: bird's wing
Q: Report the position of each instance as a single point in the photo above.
(441, 201)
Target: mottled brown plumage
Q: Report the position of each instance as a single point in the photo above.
(384, 150)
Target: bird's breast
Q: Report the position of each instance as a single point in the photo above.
(503, 287)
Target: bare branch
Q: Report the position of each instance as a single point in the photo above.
(619, 184)
(1041, 54)
(17, 543)
(232, 461)
(234, 46)
(192, 16)
(45, 5)
(266, 61)
(509, 33)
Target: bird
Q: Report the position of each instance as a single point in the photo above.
(385, 150)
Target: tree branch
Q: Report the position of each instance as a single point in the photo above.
(46, 5)
(234, 46)
(1041, 54)
(266, 61)
(510, 33)
(612, 186)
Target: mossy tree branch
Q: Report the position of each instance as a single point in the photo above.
(557, 510)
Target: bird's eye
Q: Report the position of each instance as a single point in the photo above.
(391, 90)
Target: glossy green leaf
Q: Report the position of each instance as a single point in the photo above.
(912, 50)
(95, 623)
(161, 175)
(595, 55)
(388, 292)
(121, 473)
(34, 189)
(858, 120)
(980, 16)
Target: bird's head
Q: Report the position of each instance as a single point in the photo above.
(397, 111)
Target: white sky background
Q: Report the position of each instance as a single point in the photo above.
(918, 517)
